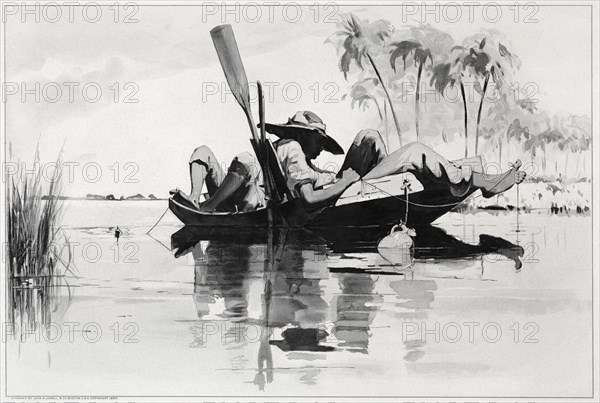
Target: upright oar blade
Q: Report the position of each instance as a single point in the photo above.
(231, 62)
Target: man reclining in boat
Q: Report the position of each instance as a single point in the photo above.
(302, 139)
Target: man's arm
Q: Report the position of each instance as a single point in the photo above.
(323, 197)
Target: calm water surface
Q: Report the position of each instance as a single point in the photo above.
(482, 310)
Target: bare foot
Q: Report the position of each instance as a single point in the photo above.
(492, 185)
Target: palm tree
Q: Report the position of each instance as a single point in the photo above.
(422, 43)
(532, 143)
(548, 137)
(502, 110)
(579, 128)
(568, 144)
(499, 112)
(522, 133)
(477, 61)
(447, 75)
(486, 64)
(361, 37)
(363, 93)
(420, 56)
(516, 131)
(584, 144)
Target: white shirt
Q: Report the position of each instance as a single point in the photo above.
(296, 168)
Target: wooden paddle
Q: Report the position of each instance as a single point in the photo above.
(233, 67)
(231, 62)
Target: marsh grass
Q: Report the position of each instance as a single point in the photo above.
(38, 253)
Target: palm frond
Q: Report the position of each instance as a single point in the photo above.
(402, 49)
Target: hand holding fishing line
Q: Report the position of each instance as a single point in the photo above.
(350, 176)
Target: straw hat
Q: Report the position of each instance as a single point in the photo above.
(302, 124)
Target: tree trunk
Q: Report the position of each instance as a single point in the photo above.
(464, 98)
(507, 147)
(566, 162)
(378, 109)
(385, 125)
(418, 96)
(387, 94)
(485, 84)
(577, 165)
(544, 158)
(500, 152)
(532, 156)
(380, 115)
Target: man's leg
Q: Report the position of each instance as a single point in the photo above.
(204, 168)
(420, 159)
(253, 195)
(239, 189)
(367, 150)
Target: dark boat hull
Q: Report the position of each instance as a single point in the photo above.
(425, 207)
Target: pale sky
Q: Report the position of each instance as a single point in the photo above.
(169, 57)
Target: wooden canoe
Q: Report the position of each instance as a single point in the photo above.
(372, 210)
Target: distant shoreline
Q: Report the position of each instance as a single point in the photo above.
(46, 197)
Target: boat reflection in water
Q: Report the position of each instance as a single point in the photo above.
(311, 295)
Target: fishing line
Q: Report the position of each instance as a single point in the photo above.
(406, 186)
(433, 205)
(518, 208)
(406, 196)
(410, 202)
(163, 214)
(160, 243)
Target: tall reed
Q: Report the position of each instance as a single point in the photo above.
(38, 252)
